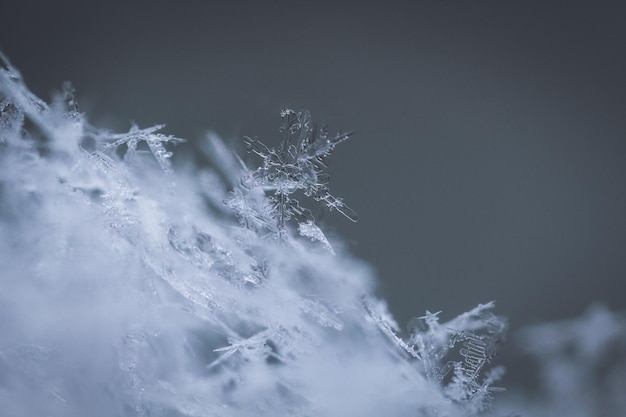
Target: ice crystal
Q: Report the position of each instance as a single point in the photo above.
(135, 135)
(297, 164)
(476, 335)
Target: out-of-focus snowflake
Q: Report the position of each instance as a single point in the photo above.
(582, 364)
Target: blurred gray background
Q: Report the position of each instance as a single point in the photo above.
(488, 161)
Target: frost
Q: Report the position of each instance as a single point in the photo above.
(130, 289)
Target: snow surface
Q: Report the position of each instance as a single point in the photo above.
(130, 288)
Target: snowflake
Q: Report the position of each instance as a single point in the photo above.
(298, 164)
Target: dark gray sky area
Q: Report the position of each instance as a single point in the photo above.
(488, 160)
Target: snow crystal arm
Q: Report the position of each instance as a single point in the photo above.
(338, 204)
(478, 317)
(12, 85)
(19, 99)
(378, 314)
(160, 154)
(113, 140)
(256, 146)
(245, 346)
(294, 124)
(322, 146)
